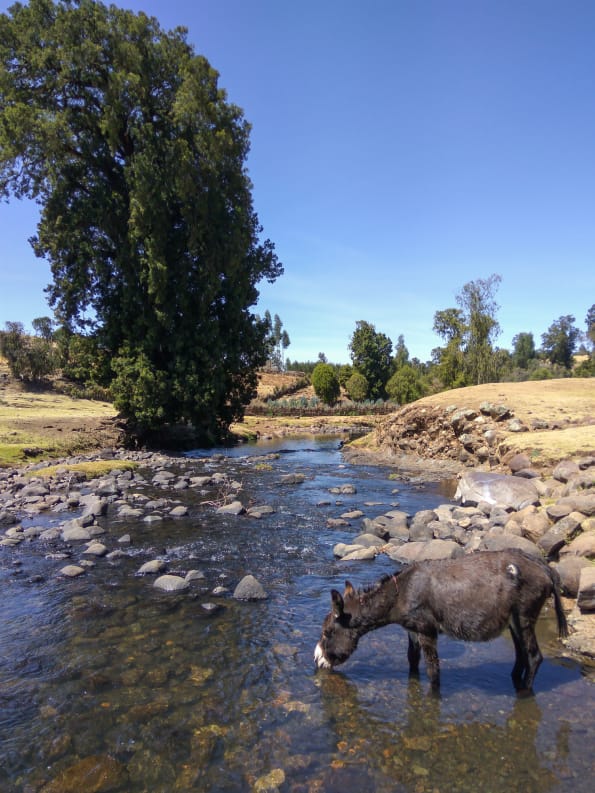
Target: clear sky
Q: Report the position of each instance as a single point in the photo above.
(400, 149)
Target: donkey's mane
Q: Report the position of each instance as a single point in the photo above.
(384, 578)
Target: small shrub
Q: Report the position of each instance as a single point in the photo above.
(325, 383)
(357, 387)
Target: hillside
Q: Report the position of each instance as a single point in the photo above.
(38, 422)
(483, 426)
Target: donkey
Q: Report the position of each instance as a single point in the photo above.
(471, 597)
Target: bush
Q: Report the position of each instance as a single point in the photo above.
(28, 358)
(325, 383)
(405, 385)
(357, 387)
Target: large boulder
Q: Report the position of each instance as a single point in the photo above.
(508, 491)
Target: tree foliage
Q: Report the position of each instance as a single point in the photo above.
(406, 385)
(277, 342)
(590, 323)
(371, 356)
(560, 340)
(476, 299)
(122, 135)
(326, 383)
(357, 387)
(470, 332)
(29, 358)
(523, 350)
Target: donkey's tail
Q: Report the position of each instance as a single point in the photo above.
(560, 615)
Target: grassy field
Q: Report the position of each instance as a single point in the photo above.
(38, 423)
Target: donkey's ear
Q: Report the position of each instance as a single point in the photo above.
(349, 590)
(337, 604)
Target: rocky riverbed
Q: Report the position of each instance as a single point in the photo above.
(75, 519)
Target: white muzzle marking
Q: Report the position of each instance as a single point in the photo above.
(321, 661)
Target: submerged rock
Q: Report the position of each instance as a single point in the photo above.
(250, 588)
(171, 583)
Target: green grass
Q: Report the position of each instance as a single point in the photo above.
(91, 469)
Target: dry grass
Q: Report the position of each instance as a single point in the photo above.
(37, 423)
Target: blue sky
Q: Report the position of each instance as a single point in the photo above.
(400, 149)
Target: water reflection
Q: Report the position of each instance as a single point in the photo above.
(420, 748)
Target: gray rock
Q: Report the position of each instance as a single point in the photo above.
(369, 541)
(569, 569)
(360, 554)
(260, 511)
(501, 542)
(72, 531)
(578, 502)
(95, 549)
(421, 551)
(249, 588)
(154, 566)
(535, 525)
(583, 545)
(93, 505)
(195, 575)
(354, 514)
(508, 491)
(235, 508)
(72, 571)
(336, 523)
(586, 590)
(171, 583)
(181, 511)
(293, 479)
(565, 470)
(560, 533)
(519, 462)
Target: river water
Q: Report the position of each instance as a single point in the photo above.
(106, 684)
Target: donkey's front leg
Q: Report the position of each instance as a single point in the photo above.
(413, 653)
(429, 646)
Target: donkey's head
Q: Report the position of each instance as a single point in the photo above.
(339, 629)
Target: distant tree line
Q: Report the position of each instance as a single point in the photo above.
(468, 356)
(378, 371)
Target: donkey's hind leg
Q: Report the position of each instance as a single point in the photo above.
(534, 656)
(520, 663)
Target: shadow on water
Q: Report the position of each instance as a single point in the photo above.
(161, 694)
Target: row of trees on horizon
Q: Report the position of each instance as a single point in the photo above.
(469, 355)
(379, 370)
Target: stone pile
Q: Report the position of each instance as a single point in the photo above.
(472, 437)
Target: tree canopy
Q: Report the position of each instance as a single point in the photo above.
(560, 340)
(371, 356)
(120, 132)
(470, 330)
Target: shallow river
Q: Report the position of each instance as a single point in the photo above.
(164, 695)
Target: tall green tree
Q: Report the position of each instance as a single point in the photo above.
(326, 383)
(560, 340)
(277, 341)
(122, 135)
(450, 361)
(523, 350)
(470, 331)
(371, 356)
(479, 307)
(590, 323)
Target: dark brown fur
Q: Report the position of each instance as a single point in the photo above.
(473, 597)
